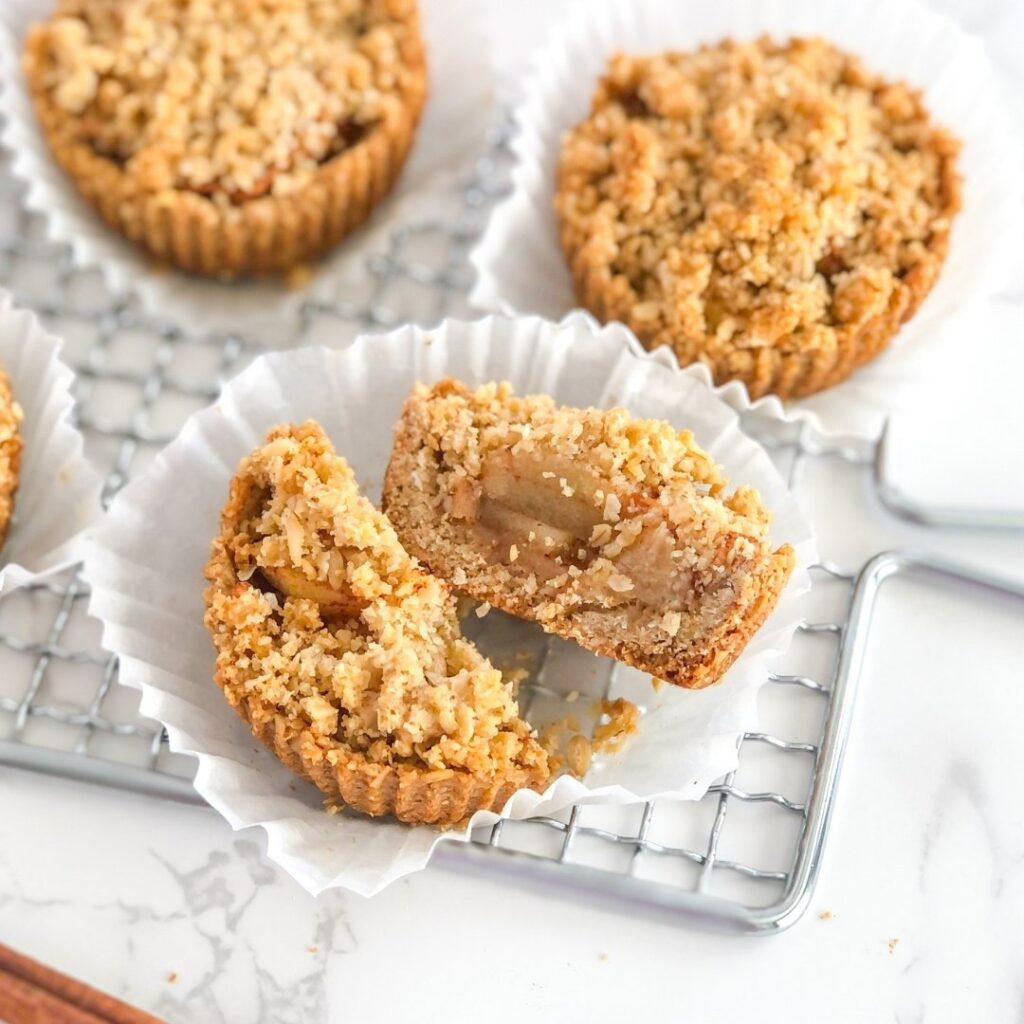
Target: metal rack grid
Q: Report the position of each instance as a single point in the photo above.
(138, 379)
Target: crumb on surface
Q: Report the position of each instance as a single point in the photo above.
(825, 915)
(172, 976)
(619, 719)
(892, 944)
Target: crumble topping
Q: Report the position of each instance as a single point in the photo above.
(751, 195)
(381, 671)
(232, 99)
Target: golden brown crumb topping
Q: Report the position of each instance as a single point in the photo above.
(321, 618)
(754, 194)
(10, 451)
(228, 98)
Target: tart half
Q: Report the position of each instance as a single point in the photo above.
(229, 137)
(344, 657)
(614, 532)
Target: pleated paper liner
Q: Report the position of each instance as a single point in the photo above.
(145, 566)
(58, 492)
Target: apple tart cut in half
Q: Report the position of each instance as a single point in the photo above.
(345, 657)
(615, 532)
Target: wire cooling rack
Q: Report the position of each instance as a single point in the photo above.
(744, 858)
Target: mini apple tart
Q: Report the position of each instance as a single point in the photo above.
(232, 138)
(344, 657)
(615, 532)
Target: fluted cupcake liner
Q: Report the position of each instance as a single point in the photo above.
(145, 566)
(58, 490)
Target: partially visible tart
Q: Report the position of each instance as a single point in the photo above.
(344, 657)
(774, 210)
(10, 452)
(230, 137)
(615, 532)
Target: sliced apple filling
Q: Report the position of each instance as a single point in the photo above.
(335, 601)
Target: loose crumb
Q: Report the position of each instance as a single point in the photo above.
(602, 956)
(825, 915)
(482, 610)
(622, 717)
(893, 943)
(172, 976)
(578, 754)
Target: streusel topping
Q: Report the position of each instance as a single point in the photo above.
(319, 614)
(755, 194)
(228, 98)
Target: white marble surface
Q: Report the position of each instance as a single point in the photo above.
(924, 878)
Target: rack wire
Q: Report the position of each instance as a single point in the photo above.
(744, 858)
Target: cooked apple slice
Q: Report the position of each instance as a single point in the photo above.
(333, 602)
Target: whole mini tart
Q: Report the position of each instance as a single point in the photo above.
(775, 211)
(230, 137)
(11, 445)
(615, 532)
(345, 657)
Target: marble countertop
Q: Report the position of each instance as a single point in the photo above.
(918, 913)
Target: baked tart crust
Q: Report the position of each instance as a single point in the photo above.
(774, 210)
(615, 532)
(226, 137)
(344, 657)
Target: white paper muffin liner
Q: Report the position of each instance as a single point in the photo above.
(451, 131)
(58, 492)
(145, 563)
(519, 263)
